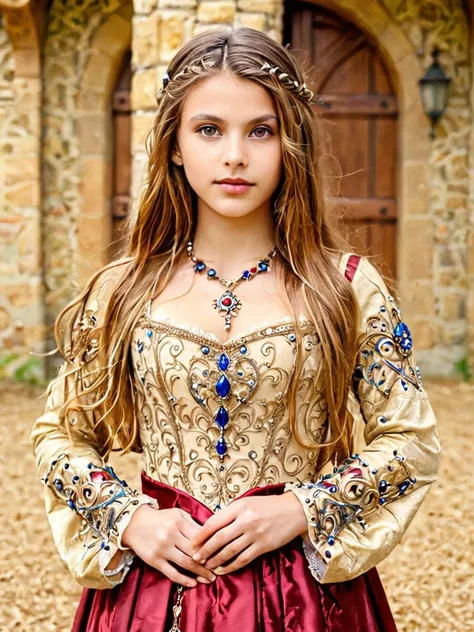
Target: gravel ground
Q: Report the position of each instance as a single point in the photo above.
(429, 577)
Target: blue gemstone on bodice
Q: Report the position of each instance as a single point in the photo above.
(221, 446)
(223, 362)
(223, 386)
(403, 336)
(222, 417)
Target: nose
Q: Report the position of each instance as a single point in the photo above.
(235, 152)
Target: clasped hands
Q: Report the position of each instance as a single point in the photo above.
(247, 528)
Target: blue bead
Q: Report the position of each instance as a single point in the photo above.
(403, 336)
(149, 333)
(263, 266)
(382, 486)
(243, 349)
(223, 362)
(292, 337)
(205, 349)
(221, 446)
(246, 274)
(200, 266)
(211, 273)
(222, 417)
(223, 386)
(331, 540)
(328, 553)
(403, 487)
(140, 346)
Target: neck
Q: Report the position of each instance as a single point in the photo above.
(232, 244)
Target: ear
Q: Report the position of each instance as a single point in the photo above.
(176, 156)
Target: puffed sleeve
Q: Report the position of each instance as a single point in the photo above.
(87, 505)
(358, 511)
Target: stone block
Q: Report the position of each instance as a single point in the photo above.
(114, 36)
(144, 89)
(216, 12)
(145, 44)
(174, 29)
(453, 306)
(95, 185)
(177, 4)
(416, 244)
(142, 124)
(92, 133)
(257, 21)
(258, 6)
(144, 7)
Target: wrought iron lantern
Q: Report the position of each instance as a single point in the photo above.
(434, 91)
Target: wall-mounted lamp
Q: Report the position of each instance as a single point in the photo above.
(434, 91)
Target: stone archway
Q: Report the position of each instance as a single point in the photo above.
(77, 144)
(95, 134)
(415, 242)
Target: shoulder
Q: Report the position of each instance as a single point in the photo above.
(370, 287)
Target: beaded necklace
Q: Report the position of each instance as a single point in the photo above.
(228, 303)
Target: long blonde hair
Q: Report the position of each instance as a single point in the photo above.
(307, 242)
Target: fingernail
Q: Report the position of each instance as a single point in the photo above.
(204, 580)
(196, 557)
(219, 570)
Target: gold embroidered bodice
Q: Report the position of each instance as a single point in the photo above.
(213, 421)
(183, 370)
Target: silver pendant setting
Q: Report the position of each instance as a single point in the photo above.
(227, 305)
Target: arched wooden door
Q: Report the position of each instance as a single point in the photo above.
(122, 160)
(360, 114)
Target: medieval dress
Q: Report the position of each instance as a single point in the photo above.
(213, 427)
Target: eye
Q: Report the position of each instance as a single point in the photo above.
(207, 127)
(257, 129)
(265, 129)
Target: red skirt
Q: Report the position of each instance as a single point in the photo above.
(274, 593)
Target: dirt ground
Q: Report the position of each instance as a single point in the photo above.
(429, 577)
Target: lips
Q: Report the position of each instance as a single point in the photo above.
(234, 181)
(235, 187)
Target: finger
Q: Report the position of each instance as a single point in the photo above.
(219, 520)
(190, 519)
(188, 529)
(183, 560)
(242, 560)
(222, 538)
(229, 552)
(176, 576)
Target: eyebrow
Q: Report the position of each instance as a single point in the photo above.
(217, 119)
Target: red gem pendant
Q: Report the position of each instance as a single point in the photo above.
(228, 305)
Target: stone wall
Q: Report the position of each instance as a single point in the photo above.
(21, 311)
(445, 24)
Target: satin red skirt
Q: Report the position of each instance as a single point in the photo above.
(274, 593)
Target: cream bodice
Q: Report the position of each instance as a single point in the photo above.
(214, 422)
(218, 425)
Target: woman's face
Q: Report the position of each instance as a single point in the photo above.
(220, 137)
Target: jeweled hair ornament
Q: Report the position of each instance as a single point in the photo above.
(301, 90)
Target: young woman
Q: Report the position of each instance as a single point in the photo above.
(263, 372)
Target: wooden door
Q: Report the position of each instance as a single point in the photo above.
(360, 124)
(121, 156)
